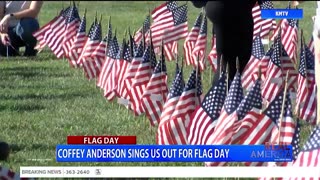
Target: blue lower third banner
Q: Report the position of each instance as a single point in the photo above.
(173, 153)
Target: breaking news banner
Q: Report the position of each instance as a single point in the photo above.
(168, 172)
(174, 153)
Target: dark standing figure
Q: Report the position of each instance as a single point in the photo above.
(233, 26)
(4, 151)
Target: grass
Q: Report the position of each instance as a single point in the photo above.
(43, 100)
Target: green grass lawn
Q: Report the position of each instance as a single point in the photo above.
(43, 100)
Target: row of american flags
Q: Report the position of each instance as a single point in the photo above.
(254, 110)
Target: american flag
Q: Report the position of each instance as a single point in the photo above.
(89, 63)
(109, 36)
(311, 45)
(90, 32)
(143, 30)
(54, 36)
(161, 13)
(284, 131)
(7, 174)
(173, 27)
(253, 100)
(101, 54)
(310, 153)
(163, 135)
(203, 123)
(264, 63)
(259, 126)
(132, 70)
(200, 46)
(40, 33)
(280, 26)
(78, 43)
(132, 45)
(158, 13)
(295, 142)
(187, 103)
(191, 39)
(295, 150)
(145, 68)
(288, 65)
(72, 25)
(155, 93)
(213, 54)
(289, 38)
(141, 79)
(224, 127)
(122, 92)
(113, 56)
(262, 27)
(171, 49)
(253, 65)
(306, 101)
(271, 88)
(122, 67)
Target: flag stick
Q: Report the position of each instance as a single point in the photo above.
(264, 106)
(143, 38)
(107, 46)
(289, 4)
(176, 54)
(96, 18)
(305, 59)
(302, 49)
(205, 49)
(162, 60)
(220, 63)
(237, 64)
(227, 70)
(100, 20)
(283, 105)
(151, 45)
(7, 51)
(177, 59)
(197, 74)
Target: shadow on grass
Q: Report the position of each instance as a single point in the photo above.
(22, 107)
(21, 147)
(65, 96)
(31, 72)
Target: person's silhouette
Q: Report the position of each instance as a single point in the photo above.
(233, 26)
(4, 151)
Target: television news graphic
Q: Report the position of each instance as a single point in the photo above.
(101, 140)
(281, 13)
(173, 153)
(170, 172)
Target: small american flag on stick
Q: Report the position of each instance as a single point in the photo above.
(172, 28)
(306, 101)
(156, 93)
(204, 118)
(191, 40)
(163, 134)
(79, 42)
